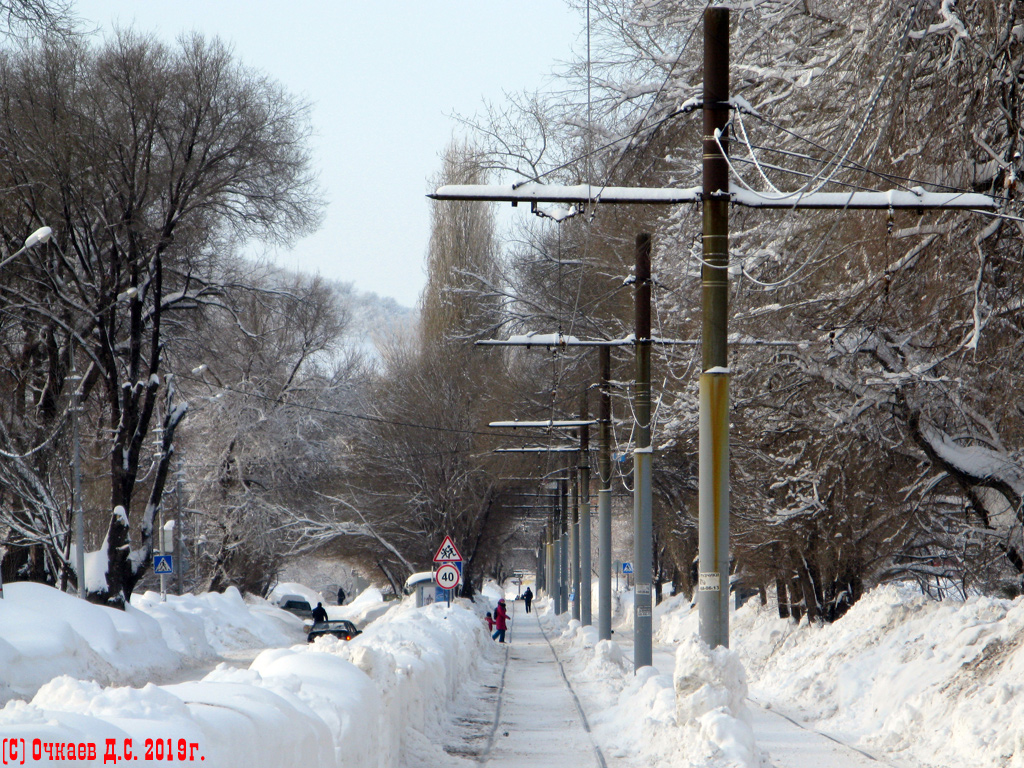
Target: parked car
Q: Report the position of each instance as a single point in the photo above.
(296, 604)
(340, 628)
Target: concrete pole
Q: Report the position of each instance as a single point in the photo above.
(643, 532)
(604, 504)
(584, 499)
(563, 543)
(549, 555)
(76, 469)
(574, 543)
(179, 531)
(713, 482)
(538, 582)
(556, 573)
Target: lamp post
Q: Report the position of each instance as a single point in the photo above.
(38, 237)
(41, 235)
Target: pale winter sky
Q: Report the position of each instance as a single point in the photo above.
(384, 78)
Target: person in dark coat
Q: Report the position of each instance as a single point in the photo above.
(341, 596)
(319, 613)
(528, 598)
(500, 622)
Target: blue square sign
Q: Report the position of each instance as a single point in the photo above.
(163, 564)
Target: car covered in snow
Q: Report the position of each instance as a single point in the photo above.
(296, 604)
(340, 628)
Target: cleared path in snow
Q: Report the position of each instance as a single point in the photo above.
(527, 715)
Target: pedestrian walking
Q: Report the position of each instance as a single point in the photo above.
(500, 622)
(490, 622)
(528, 598)
(341, 596)
(319, 613)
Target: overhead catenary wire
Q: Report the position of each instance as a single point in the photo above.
(338, 412)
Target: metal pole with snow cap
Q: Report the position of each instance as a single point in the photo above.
(604, 504)
(574, 543)
(643, 529)
(584, 593)
(713, 470)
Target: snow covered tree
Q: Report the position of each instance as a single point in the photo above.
(148, 161)
(269, 382)
(884, 440)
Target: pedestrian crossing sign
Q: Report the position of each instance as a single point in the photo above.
(163, 564)
(447, 552)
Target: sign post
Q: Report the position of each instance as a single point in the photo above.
(449, 573)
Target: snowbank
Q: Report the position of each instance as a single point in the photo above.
(711, 691)
(937, 682)
(695, 718)
(369, 606)
(331, 703)
(45, 633)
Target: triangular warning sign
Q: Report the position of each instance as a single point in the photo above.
(447, 552)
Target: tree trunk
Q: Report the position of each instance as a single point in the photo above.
(783, 597)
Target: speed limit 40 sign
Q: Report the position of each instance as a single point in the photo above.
(448, 576)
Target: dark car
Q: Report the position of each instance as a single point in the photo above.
(341, 629)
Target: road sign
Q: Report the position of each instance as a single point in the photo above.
(627, 567)
(163, 564)
(448, 576)
(447, 552)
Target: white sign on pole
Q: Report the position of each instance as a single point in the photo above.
(448, 576)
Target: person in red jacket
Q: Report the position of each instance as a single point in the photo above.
(500, 622)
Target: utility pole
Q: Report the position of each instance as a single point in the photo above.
(713, 470)
(642, 456)
(540, 557)
(179, 532)
(549, 563)
(715, 194)
(604, 503)
(556, 552)
(563, 580)
(583, 595)
(76, 470)
(713, 523)
(574, 543)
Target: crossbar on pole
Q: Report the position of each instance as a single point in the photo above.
(893, 199)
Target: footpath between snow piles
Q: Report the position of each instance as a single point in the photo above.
(918, 682)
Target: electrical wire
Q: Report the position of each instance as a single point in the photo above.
(347, 414)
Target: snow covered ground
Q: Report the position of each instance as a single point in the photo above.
(905, 679)
(909, 680)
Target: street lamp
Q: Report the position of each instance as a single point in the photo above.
(41, 235)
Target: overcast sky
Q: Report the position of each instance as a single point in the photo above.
(384, 77)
